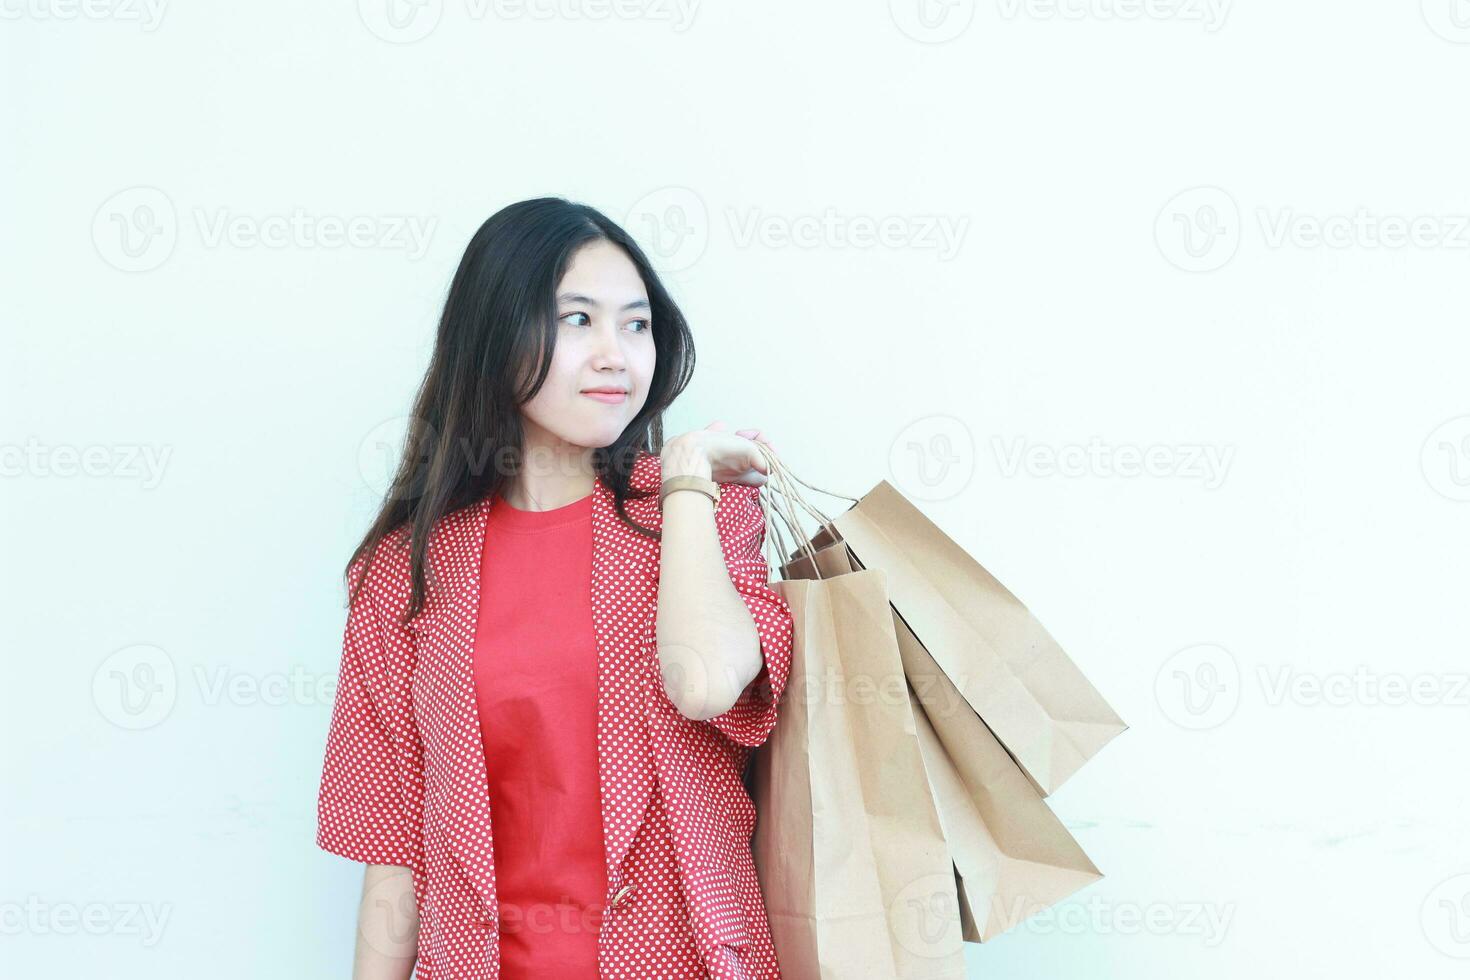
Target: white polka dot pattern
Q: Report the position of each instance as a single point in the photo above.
(404, 778)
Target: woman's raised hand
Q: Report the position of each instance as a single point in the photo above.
(715, 454)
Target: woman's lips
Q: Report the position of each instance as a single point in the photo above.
(607, 397)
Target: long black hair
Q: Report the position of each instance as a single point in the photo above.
(492, 353)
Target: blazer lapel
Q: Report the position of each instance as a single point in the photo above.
(624, 605)
(624, 591)
(451, 718)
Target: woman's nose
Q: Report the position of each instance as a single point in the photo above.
(609, 347)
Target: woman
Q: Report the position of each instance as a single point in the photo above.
(557, 622)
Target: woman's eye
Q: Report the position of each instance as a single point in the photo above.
(640, 325)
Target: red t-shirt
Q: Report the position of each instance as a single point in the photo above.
(536, 692)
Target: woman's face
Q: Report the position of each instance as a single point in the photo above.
(604, 340)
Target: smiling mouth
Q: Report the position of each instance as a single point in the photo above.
(607, 397)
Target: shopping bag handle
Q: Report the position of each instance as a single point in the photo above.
(777, 480)
(780, 479)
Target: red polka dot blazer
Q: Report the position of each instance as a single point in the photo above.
(404, 779)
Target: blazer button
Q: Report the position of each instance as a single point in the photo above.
(621, 893)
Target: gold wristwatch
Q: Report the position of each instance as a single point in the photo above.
(709, 488)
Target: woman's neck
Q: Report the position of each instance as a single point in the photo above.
(550, 479)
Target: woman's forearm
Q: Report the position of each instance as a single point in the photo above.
(387, 925)
(708, 646)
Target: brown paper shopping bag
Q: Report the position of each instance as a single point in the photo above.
(1013, 674)
(848, 838)
(1013, 857)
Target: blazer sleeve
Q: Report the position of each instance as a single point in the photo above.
(742, 529)
(370, 802)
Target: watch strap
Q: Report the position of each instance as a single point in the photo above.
(686, 481)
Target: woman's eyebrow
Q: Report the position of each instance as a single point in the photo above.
(637, 304)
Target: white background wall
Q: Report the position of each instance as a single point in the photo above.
(1137, 198)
